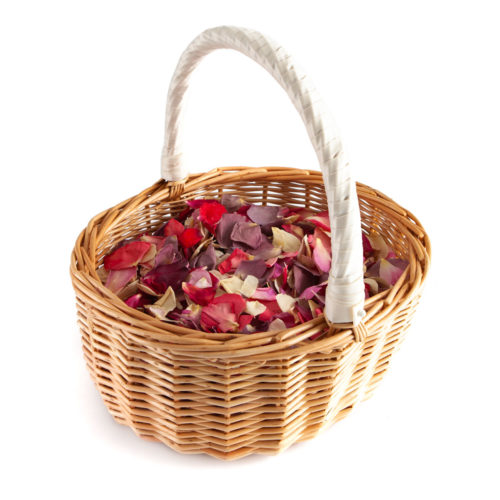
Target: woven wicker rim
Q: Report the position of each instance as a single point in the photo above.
(89, 251)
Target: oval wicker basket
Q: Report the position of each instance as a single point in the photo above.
(232, 394)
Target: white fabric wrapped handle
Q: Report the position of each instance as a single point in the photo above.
(345, 291)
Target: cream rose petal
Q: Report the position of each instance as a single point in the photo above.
(232, 284)
(166, 303)
(286, 241)
(249, 286)
(254, 307)
(285, 302)
(276, 325)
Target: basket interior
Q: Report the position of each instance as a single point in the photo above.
(310, 193)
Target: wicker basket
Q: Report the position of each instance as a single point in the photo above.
(229, 395)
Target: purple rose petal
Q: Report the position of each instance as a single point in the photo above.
(263, 215)
(207, 258)
(303, 279)
(247, 233)
(254, 267)
(231, 202)
(160, 278)
(225, 227)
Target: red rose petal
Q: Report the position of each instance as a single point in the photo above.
(173, 227)
(202, 296)
(367, 246)
(211, 213)
(272, 309)
(137, 300)
(244, 320)
(233, 261)
(194, 204)
(219, 317)
(236, 301)
(190, 237)
(128, 255)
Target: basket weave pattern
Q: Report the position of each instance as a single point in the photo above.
(229, 395)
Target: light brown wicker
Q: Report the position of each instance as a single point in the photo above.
(229, 395)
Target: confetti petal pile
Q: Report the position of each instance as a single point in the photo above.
(231, 266)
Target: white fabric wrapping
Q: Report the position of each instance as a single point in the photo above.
(345, 291)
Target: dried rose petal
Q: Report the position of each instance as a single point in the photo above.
(232, 284)
(211, 213)
(321, 256)
(265, 251)
(286, 302)
(388, 271)
(157, 241)
(244, 320)
(293, 229)
(311, 291)
(173, 227)
(367, 247)
(371, 287)
(233, 261)
(243, 210)
(163, 305)
(119, 278)
(277, 270)
(272, 309)
(304, 313)
(207, 258)
(219, 317)
(137, 300)
(303, 278)
(265, 294)
(201, 296)
(263, 215)
(247, 233)
(378, 244)
(287, 318)
(126, 256)
(237, 302)
(276, 325)
(391, 270)
(249, 286)
(304, 213)
(254, 307)
(321, 220)
(194, 204)
(161, 277)
(254, 267)
(223, 313)
(286, 241)
(168, 254)
(131, 289)
(201, 286)
(189, 317)
(190, 237)
(225, 227)
(231, 202)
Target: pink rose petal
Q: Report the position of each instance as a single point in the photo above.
(265, 294)
(119, 278)
(138, 300)
(321, 220)
(126, 256)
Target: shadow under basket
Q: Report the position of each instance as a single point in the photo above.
(230, 395)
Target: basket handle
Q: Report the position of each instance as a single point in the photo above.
(345, 291)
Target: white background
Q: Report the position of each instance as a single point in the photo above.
(414, 87)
